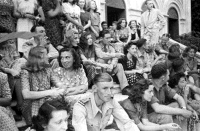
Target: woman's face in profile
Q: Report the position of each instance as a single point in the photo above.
(67, 59)
(148, 94)
(93, 5)
(58, 122)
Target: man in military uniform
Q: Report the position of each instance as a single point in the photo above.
(94, 112)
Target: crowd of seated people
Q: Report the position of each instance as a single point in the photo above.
(65, 76)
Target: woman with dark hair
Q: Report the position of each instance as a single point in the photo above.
(88, 50)
(95, 19)
(36, 80)
(134, 31)
(123, 33)
(52, 13)
(72, 13)
(72, 75)
(52, 116)
(129, 63)
(136, 106)
(188, 91)
(84, 16)
(191, 62)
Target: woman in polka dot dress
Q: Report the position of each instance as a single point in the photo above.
(129, 62)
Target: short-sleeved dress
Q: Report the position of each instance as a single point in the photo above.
(130, 65)
(85, 17)
(37, 81)
(79, 78)
(52, 24)
(74, 13)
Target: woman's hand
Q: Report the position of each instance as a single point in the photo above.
(172, 126)
(56, 92)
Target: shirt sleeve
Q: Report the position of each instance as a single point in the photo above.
(84, 80)
(101, 54)
(122, 119)
(25, 80)
(154, 100)
(161, 19)
(170, 92)
(65, 8)
(5, 87)
(53, 53)
(79, 118)
(142, 25)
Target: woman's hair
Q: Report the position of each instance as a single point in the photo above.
(166, 35)
(84, 44)
(45, 113)
(102, 77)
(173, 81)
(68, 37)
(174, 52)
(187, 49)
(131, 22)
(119, 23)
(74, 1)
(128, 46)
(135, 93)
(141, 42)
(36, 60)
(89, 4)
(76, 62)
(177, 64)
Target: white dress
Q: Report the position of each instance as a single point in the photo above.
(73, 11)
(24, 24)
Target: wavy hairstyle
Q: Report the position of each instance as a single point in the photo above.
(135, 94)
(187, 49)
(89, 50)
(128, 46)
(74, 1)
(36, 59)
(76, 62)
(89, 4)
(119, 23)
(131, 22)
(173, 81)
(45, 112)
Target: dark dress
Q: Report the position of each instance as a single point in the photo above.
(85, 17)
(130, 65)
(52, 24)
(7, 22)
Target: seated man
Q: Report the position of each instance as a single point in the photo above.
(106, 54)
(40, 40)
(162, 91)
(94, 112)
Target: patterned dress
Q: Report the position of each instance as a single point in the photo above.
(79, 78)
(52, 24)
(37, 81)
(7, 122)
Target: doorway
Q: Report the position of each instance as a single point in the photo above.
(114, 14)
(173, 23)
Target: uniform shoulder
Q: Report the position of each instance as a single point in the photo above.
(84, 101)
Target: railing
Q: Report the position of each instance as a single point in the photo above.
(183, 47)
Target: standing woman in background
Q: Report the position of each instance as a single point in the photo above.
(95, 19)
(85, 16)
(134, 31)
(52, 11)
(24, 11)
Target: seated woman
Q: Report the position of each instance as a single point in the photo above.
(136, 107)
(72, 75)
(36, 79)
(191, 62)
(129, 62)
(134, 31)
(7, 122)
(187, 90)
(88, 50)
(52, 116)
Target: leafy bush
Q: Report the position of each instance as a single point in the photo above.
(192, 38)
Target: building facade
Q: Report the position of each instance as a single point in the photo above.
(176, 12)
